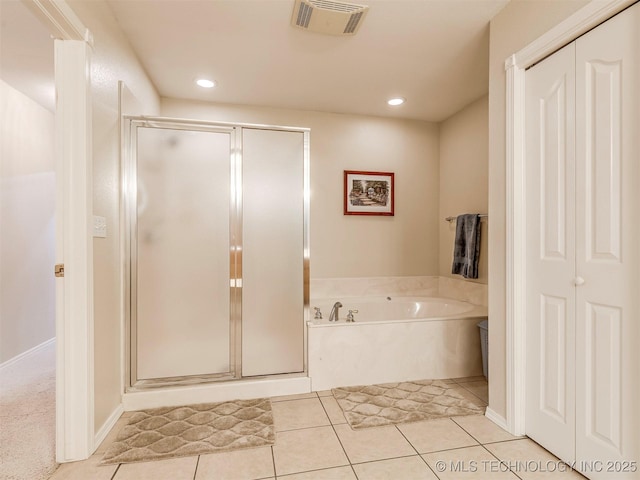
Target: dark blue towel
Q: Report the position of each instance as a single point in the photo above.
(466, 250)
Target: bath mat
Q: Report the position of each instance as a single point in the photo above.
(391, 403)
(193, 430)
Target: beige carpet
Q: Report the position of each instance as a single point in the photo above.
(390, 403)
(193, 430)
(28, 416)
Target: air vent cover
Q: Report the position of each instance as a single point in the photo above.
(329, 17)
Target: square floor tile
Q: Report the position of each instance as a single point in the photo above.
(325, 393)
(183, 468)
(376, 443)
(297, 396)
(447, 380)
(295, 414)
(247, 464)
(472, 397)
(470, 463)
(336, 415)
(435, 435)
(339, 473)
(479, 389)
(297, 451)
(111, 436)
(474, 383)
(530, 461)
(483, 429)
(470, 379)
(84, 470)
(413, 468)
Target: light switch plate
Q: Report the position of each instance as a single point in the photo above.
(99, 227)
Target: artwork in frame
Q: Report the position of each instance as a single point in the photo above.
(368, 193)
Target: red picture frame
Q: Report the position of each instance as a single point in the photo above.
(369, 193)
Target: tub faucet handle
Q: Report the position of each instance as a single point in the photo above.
(318, 313)
(350, 315)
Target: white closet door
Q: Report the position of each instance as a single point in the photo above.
(608, 248)
(550, 142)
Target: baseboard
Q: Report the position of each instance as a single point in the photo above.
(107, 426)
(28, 353)
(497, 419)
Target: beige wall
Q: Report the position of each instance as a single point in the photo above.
(27, 227)
(112, 60)
(407, 244)
(357, 246)
(517, 25)
(464, 170)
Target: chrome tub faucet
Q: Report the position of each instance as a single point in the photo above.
(333, 316)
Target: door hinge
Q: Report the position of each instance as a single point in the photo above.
(59, 270)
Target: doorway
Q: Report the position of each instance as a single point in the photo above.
(27, 248)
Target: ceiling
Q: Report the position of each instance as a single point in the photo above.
(435, 53)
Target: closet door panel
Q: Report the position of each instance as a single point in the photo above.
(602, 161)
(608, 235)
(550, 253)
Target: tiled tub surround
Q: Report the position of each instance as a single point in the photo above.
(396, 349)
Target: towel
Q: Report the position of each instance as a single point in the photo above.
(466, 250)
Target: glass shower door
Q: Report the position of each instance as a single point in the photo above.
(273, 244)
(181, 302)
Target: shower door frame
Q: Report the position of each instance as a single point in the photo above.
(129, 215)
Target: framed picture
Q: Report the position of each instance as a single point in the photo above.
(368, 193)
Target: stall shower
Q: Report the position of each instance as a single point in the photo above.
(216, 250)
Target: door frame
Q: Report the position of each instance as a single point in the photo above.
(565, 32)
(74, 244)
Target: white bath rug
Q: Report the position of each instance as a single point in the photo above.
(390, 403)
(193, 430)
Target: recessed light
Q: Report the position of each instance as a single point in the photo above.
(204, 83)
(396, 101)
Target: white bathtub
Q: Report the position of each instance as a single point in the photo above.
(394, 339)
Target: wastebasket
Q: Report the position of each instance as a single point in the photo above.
(484, 345)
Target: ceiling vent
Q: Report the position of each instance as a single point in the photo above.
(326, 16)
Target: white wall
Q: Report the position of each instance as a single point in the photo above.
(517, 25)
(357, 246)
(112, 60)
(464, 179)
(27, 241)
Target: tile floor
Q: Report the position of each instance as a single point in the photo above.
(314, 441)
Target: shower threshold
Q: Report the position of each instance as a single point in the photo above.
(184, 380)
(218, 391)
